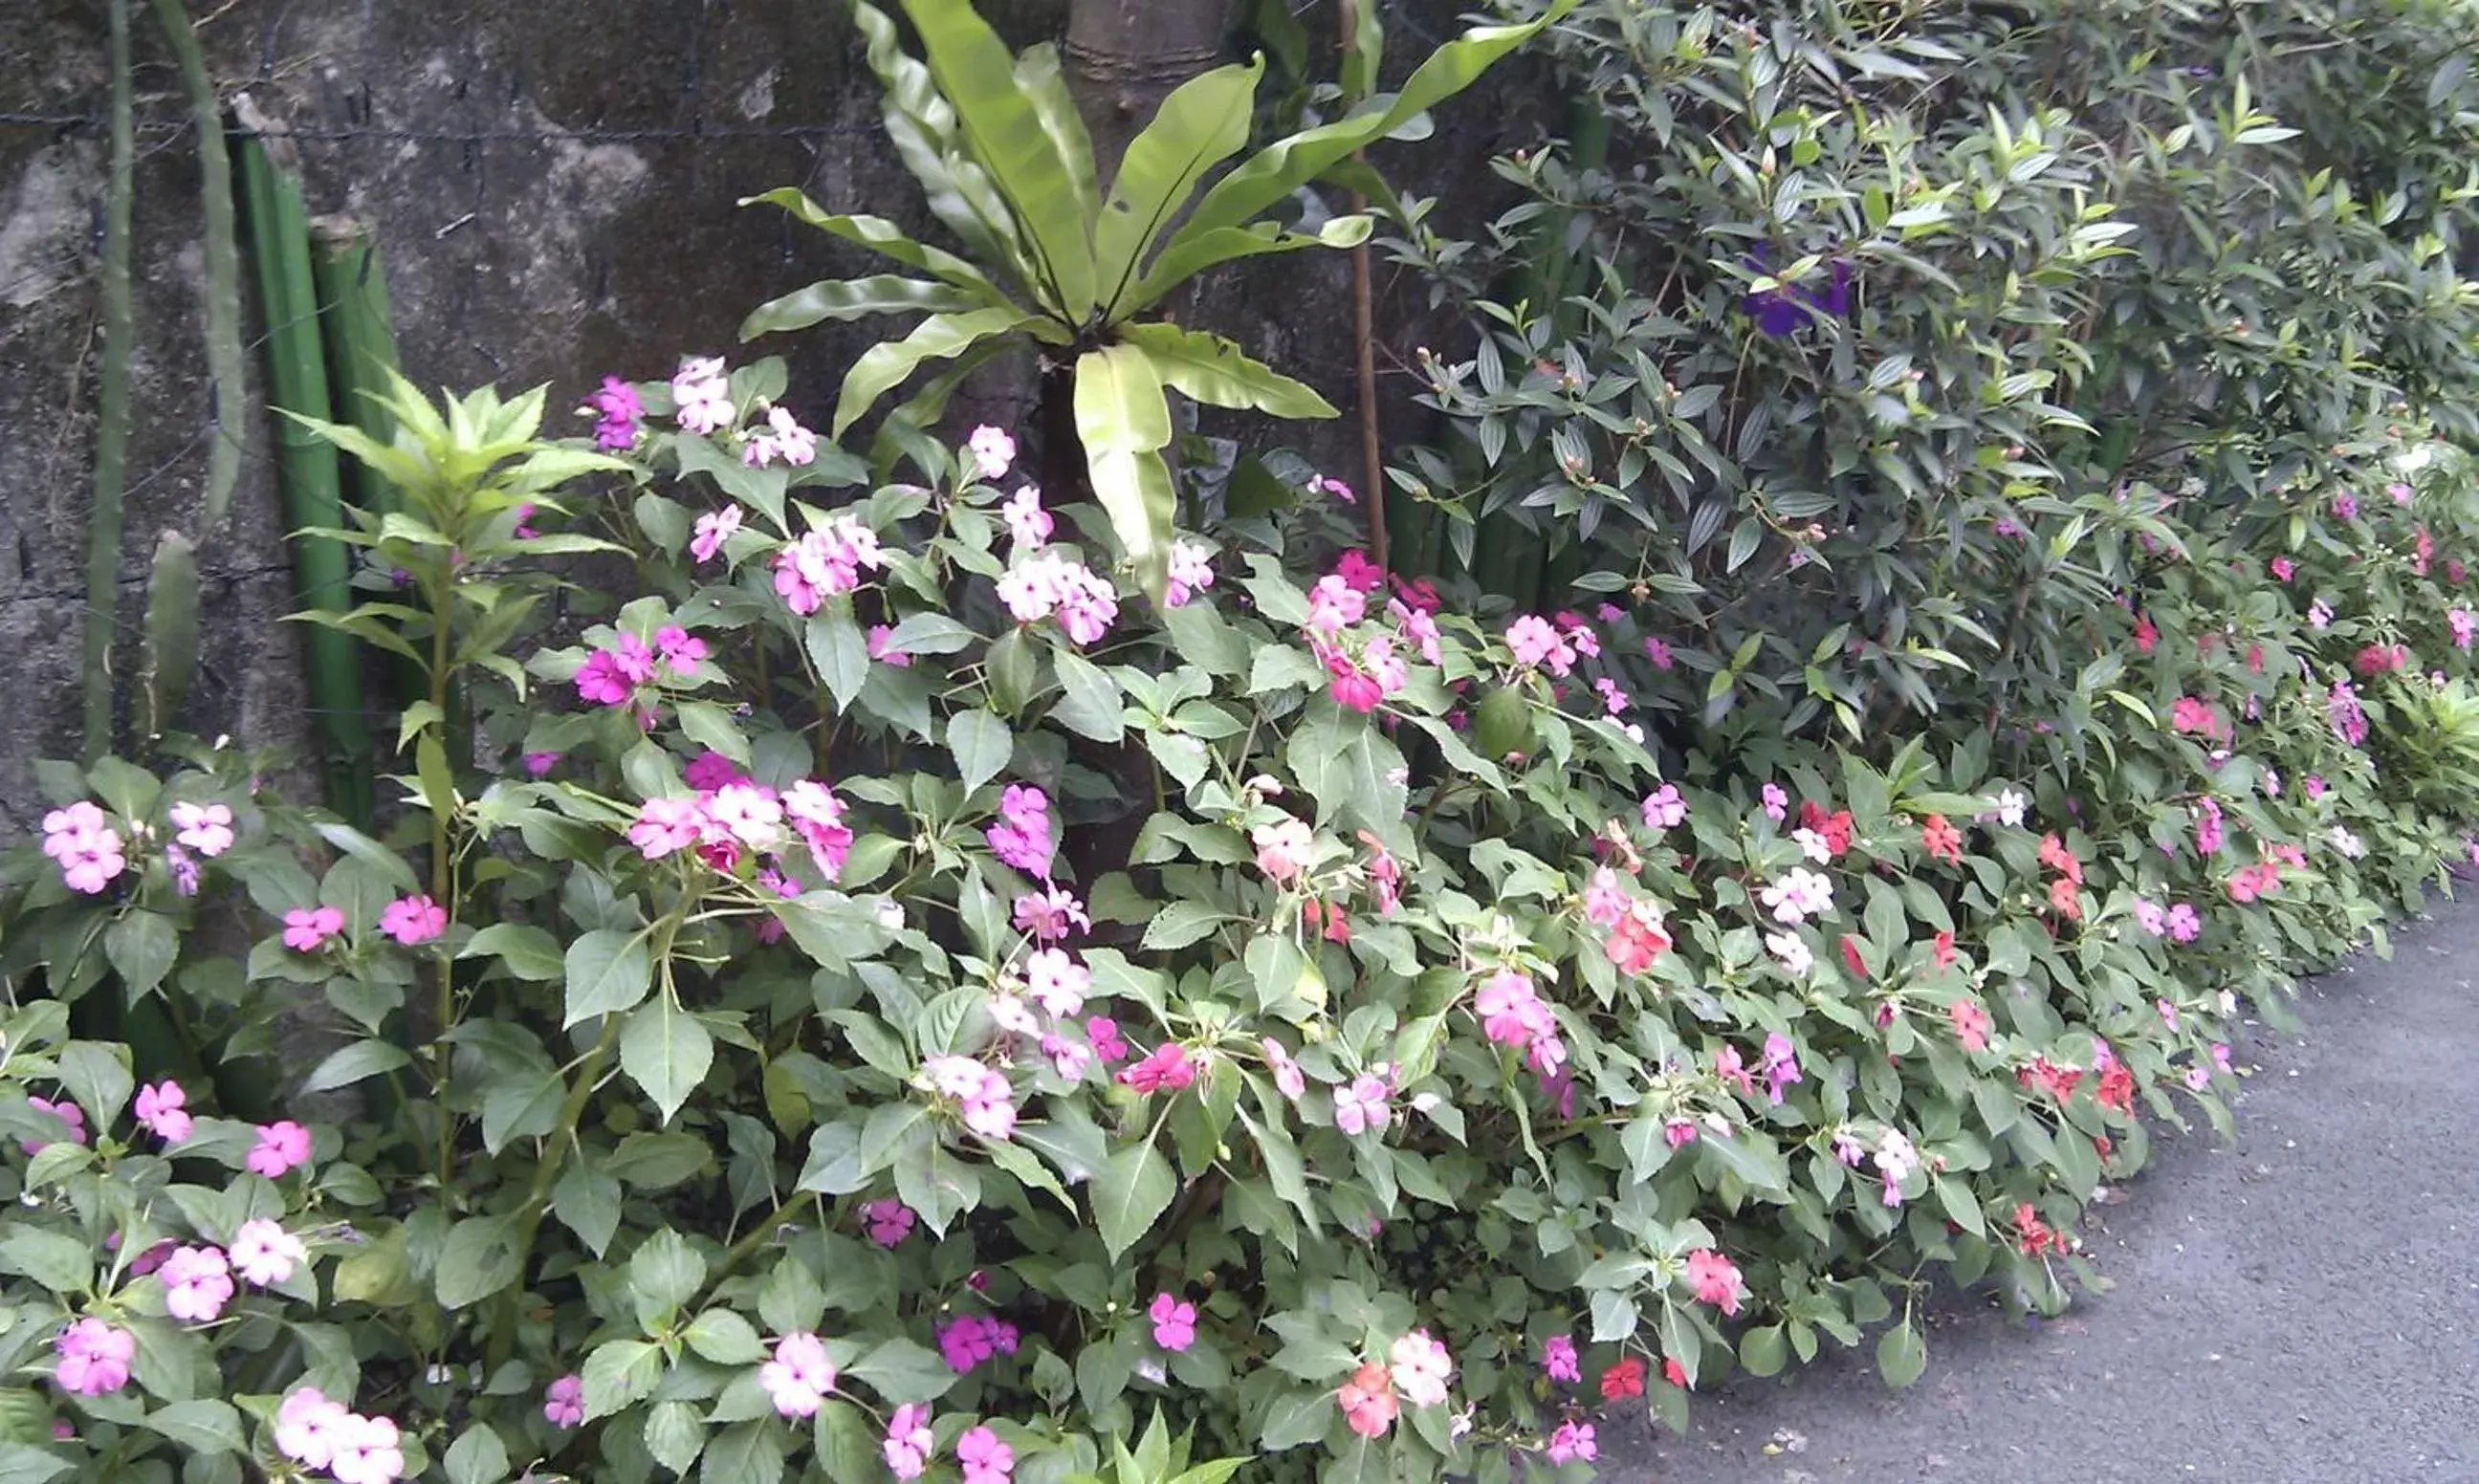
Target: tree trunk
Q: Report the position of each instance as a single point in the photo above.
(1125, 56)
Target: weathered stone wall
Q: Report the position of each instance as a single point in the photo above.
(553, 186)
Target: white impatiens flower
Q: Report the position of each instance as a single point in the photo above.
(1792, 950)
(2010, 807)
(1798, 896)
(2346, 843)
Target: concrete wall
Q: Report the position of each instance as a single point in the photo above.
(553, 185)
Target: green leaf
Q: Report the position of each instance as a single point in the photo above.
(1124, 422)
(477, 1456)
(745, 1454)
(478, 1259)
(526, 951)
(1045, 85)
(675, 1435)
(54, 1262)
(608, 971)
(904, 1373)
(1188, 257)
(882, 366)
(619, 1375)
(1274, 172)
(1131, 1194)
(709, 726)
(362, 1059)
(883, 238)
(202, 1426)
(842, 653)
(982, 745)
(21, 1464)
(1203, 122)
(1763, 1350)
(96, 1074)
(666, 1052)
(1089, 702)
(664, 1273)
(1007, 135)
(851, 299)
(142, 947)
(725, 1337)
(1212, 369)
(1296, 1418)
(1902, 1355)
(587, 1202)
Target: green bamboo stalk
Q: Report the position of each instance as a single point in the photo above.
(227, 382)
(361, 343)
(104, 525)
(306, 469)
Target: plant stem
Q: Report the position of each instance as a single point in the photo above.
(104, 523)
(443, 892)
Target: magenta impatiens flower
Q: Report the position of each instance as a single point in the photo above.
(93, 1358)
(307, 928)
(610, 675)
(909, 1447)
(1165, 1067)
(1537, 644)
(1573, 1442)
(1022, 838)
(798, 1379)
(67, 1111)
(826, 561)
(564, 1401)
(970, 1339)
(888, 1221)
(713, 528)
(1174, 1321)
(264, 1254)
(413, 920)
(1558, 1359)
(281, 1147)
(163, 1110)
(618, 414)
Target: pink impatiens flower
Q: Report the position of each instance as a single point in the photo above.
(663, 825)
(1367, 1401)
(1538, 645)
(1166, 1067)
(701, 395)
(1048, 915)
(206, 827)
(67, 1111)
(412, 920)
(1558, 1358)
(306, 927)
(88, 849)
(1058, 980)
(1027, 521)
(1664, 808)
(880, 640)
(1573, 1442)
(1283, 850)
(1361, 1107)
(610, 675)
(985, 1459)
(992, 451)
(264, 1254)
(93, 1358)
(281, 1147)
(1174, 1321)
(798, 1379)
(1022, 838)
(910, 1446)
(198, 1284)
(564, 1401)
(162, 1109)
(1191, 571)
(368, 1450)
(1335, 605)
(1051, 584)
(817, 816)
(983, 1096)
(1288, 1080)
(713, 529)
(617, 413)
(1714, 1278)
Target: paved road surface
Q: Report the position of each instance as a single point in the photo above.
(2299, 1308)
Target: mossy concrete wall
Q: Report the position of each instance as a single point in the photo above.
(553, 186)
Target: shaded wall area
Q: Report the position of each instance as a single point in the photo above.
(554, 189)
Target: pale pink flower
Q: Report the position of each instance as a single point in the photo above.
(1420, 1367)
(307, 1426)
(981, 1093)
(1606, 902)
(825, 562)
(1022, 838)
(198, 1284)
(1714, 1278)
(2185, 927)
(1174, 1321)
(1047, 915)
(817, 816)
(306, 927)
(1361, 1107)
(713, 529)
(910, 1446)
(206, 827)
(1419, 629)
(1658, 652)
(1051, 584)
(281, 1146)
(564, 1401)
(1058, 980)
(666, 825)
(1664, 808)
(1283, 850)
(798, 1379)
(880, 642)
(992, 451)
(701, 395)
(1332, 488)
(93, 1358)
(1367, 1401)
(1335, 605)
(67, 1111)
(1800, 894)
(1068, 1056)
(368, 1450)
(1191, 571)
(985, 1459)
(1538, 644)
(1288, 1080)
(1027, 521)
(163, 1110)
(88, 849)
(785, 439)
(263, 1253)
(746, 813)
(413, 920)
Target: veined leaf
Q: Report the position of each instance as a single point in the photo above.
(1213, 369)
(1288, 164)
(1045, 87)
(1202, 123)
(921, 125)
(971, 66)
(1187, 259)
(1124, 422)
(885, 365)
(850, 298)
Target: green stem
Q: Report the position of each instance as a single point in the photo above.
(571, 1109)
(226, 382)
(443, 892)
(111, 420)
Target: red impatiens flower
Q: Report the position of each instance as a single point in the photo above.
(2058, 1081)
(1637, 939)
(2055, 857)
(2146, 637)
(1943, 841)
(1623, 1380)
(1850, 957)
(1943, 949)
(2191, 713)
(1835, 827)
(1971, 1023)
(2116, 1087)
(1674, 1373)
(2062, 898)
(2034, 1236)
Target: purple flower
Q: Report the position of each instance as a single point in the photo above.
(1784, 308)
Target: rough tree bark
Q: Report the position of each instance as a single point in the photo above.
(1125, 56)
